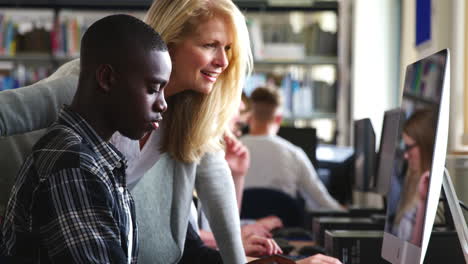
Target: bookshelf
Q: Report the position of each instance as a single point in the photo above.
(35, 41)
(295, 48)
(294, 43)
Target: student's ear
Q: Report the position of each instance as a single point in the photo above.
(105, 77)
(278, 119)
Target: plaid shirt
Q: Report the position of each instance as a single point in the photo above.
(70, 203)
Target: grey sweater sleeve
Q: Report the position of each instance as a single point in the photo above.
(215, 189)
(36, 106)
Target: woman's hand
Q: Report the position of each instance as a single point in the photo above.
(255, 229)
(423, 186)
(237, 156)
(270, 222)
(256, 246)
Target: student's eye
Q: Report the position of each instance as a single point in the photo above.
(154, 89)
(227, 48)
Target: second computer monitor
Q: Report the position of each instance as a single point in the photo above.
(389, 141)
(364, 155)
(304, 137)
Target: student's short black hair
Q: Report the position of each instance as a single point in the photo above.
(116, 36)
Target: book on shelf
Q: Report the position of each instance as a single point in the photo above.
(25, 31)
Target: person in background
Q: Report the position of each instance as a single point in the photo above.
(70, 202)
(418, 137)
(275, 162)
(239, 124)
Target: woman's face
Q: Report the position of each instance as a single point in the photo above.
(200, 58)
(412, 152)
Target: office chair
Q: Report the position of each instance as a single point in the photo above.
(262, 202)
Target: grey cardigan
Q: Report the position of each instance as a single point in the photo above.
(162, 196)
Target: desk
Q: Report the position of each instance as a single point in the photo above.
(251, 259)
(298, 244)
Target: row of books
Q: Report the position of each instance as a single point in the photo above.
(304, 98)
(22, 32)
(22, 76)
(301, 98)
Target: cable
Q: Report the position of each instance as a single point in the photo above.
(463, 205)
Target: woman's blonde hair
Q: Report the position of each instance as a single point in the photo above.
(421, 127)
(195, 122)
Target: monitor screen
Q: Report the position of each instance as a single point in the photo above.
(419, 160)
(304, 137)
(388, 146)
(364, 155)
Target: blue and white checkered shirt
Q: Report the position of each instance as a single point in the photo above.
(70, 203)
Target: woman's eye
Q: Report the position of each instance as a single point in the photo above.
(210, 45)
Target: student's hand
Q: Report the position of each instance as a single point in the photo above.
(255, 229)
(319, 259)
(256, 246)
(270, 222)
(237, 156)
(423, 186)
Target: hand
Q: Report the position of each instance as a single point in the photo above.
(270, 222)
(256, 246)
(237, 156)
(319, 259)
(255, 229)
(423, 186)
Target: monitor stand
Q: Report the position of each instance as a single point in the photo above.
(458, 219)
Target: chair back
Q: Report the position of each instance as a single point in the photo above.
(262, 202)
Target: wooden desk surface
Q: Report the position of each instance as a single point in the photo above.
(251, 259)
(298, 244)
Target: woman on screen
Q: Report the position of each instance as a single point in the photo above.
(418, 137)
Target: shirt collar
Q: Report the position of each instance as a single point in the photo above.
(107, 153)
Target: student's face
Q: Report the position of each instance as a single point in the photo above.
(140, 93)
(201, 57)
(412, 153)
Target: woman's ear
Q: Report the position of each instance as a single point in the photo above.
(105, 77)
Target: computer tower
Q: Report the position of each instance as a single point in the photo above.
(321, 224)
(355, 246)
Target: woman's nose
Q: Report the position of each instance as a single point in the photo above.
(221, 59)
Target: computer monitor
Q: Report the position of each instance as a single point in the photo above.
(388, 144)
(364, 155)
(304, 137)
(424, 134)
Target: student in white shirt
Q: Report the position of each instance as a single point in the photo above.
(275, 162)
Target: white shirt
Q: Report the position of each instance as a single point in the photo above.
(139, 161)
(276, 163)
